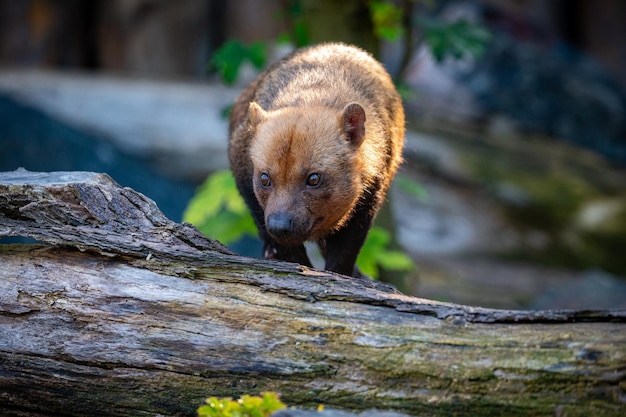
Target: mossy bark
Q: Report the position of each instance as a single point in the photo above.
(147, 317)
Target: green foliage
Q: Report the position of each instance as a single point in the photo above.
(218, 210)
(299, 33)
(232, 54)
(457, 39)
(376, 254)
(246, 406)
(387, 19)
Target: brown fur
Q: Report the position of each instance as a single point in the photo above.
(330, 110)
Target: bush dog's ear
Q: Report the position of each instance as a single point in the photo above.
(353, 123)
(256, 114)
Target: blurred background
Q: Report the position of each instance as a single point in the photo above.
(513, 191)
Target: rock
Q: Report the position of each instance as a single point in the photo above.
(178, 126)
(508, 219)
(33, 140)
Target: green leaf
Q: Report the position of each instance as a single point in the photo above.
(246, 406)
(226, 111)
(271, 402)
(393, 260)
(301, 34)
(375, 254)
(387, 19)
(257, 54)
(228, 58)
(209, 198)
(218, 210)
(456, 39)
(228, 227)
(367, 261)
(219, 407)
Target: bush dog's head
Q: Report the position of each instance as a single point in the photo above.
(306, 168)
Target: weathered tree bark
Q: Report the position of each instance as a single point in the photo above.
(124, 312)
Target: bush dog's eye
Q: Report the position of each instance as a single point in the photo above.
(314, 180)
(265, 180)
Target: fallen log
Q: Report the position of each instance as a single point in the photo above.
(122, 312)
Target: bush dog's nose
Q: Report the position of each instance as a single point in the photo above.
(279, 224)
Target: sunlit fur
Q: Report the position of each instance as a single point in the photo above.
(289, 124)
(292, 143)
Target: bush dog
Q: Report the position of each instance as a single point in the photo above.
(314, 144)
